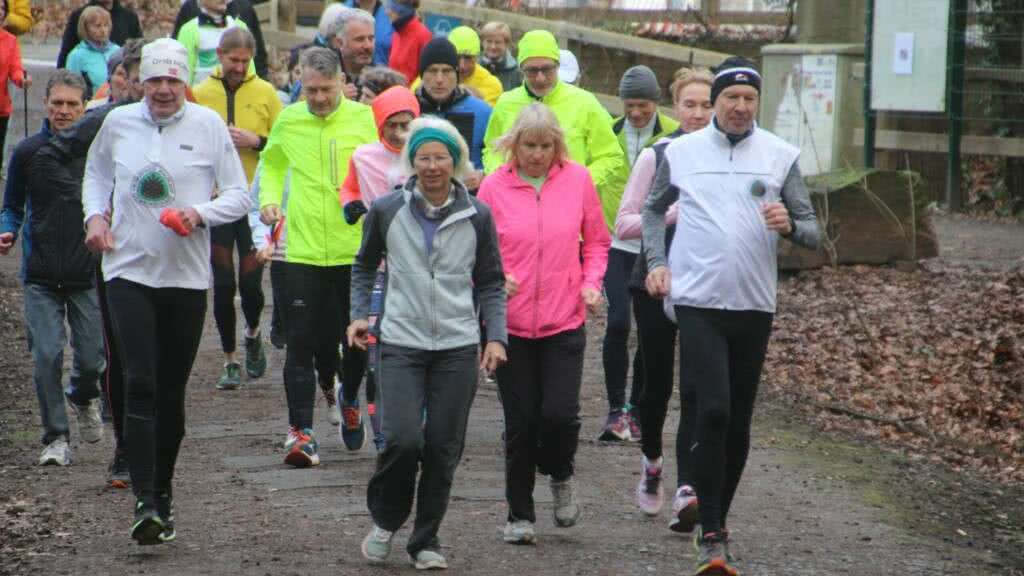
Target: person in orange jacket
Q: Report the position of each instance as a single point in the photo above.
(409, 38)
(10, 69)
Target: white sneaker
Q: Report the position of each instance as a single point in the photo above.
(567, 510)
(291, 438)
(57, 452)
(519, 532)
(377, 545)
(90, 425)
(429, 560)
(334, 408)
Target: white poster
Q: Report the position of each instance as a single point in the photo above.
(806, 113)
(903, 53)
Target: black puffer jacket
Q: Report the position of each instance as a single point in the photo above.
(58, 256)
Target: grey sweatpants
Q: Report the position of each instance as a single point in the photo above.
(444, 382)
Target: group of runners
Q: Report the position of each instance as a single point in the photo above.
(416, 237)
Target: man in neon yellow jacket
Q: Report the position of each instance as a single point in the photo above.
(312, 142)
(587, 125)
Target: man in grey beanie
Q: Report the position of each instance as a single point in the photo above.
(640, 126)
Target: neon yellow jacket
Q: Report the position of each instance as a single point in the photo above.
(19, 17)
(315, 151)
(588, 134)
(254, 106)
(486, 84)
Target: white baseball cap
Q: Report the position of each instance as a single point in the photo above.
(568, 67)
(164, 57)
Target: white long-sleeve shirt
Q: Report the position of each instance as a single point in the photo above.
(138, 166)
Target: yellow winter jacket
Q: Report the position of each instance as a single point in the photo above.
(19, 16)
(485, 84)
(254, 106)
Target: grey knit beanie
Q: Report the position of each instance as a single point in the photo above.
(639, 83)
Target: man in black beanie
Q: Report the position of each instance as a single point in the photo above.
(440, 95)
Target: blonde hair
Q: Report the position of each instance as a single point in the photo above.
(462, 169)
(534, 119)
(686, 76)
(495, 27)
(89, 15)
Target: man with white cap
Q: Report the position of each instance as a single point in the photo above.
(148, 213)
(738, 189)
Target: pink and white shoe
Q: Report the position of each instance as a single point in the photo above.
(650, 494)
(685, 511)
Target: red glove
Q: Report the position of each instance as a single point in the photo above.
(171, 218)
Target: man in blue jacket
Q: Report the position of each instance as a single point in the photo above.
(440, 95)
(58, 274)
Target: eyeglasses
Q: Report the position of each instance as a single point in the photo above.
(536, 70)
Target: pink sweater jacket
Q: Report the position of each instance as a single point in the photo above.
(539, 236)
(628, 221)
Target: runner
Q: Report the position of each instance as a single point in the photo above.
(311, 143)
(240, 9)
(354, 40)
(656, 334)
(737, 188)
(89, 58)
(124, 26)
(156, 277)
(382, 28)
(543, 203)
(640, 126)
(497, 58)
(408, 39)
(201, 36)
(10, 70)
(249, 105)
(440, 95)
(57, 276)
(375, 171)
(476, 78)
(440, 247)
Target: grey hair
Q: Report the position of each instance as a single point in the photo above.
(322, 61)
(349, 15)
(462, 169)
(327, 28)
(65, 77)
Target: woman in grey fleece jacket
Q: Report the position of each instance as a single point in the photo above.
(441, 246)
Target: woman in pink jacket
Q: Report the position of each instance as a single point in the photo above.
(543, 203)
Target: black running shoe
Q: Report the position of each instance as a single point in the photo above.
(165, 507)
(148, 526)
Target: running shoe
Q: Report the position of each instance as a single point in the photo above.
(519, 532)
(375, 425)
(255, 357)
(633, 415)
(566, 509)
(685, 510)
(429, 560)
(304, 452)
(277, 337)
(231, 377)
(650, 493)
(332, 391)
(90, 424)
(165, 508)
(118, 473)
(291, 438)
(377, 545)
(57, 453)
(147, 526)
(711, 555)
(616, 428)
(352, 429)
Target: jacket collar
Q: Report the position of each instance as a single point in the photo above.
(547, 98)
(218, 74)
(620, 123)
(429, 105)
(460, 208)
(510, 175)
(722, 136)
(508, 62)
(207, 19)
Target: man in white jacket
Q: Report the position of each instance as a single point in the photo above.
(148, 212)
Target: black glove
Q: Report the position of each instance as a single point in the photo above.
(353, 211)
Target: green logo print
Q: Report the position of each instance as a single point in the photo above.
(153, 186)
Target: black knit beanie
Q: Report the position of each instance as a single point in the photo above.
(438, 51)
(735, 71)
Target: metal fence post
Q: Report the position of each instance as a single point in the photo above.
(869, 114)
(955, 100)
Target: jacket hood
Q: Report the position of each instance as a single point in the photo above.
(507, 62)
(390, 102)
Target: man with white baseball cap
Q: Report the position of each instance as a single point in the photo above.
(148, 213)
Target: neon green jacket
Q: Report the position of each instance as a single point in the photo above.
(588, 134)
(201, 41)
(316, 152)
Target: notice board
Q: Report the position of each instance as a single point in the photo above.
(909, 54)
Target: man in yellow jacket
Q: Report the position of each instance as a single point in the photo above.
(249, 106)
(476, 78)
(311, 143)
(587, 125)
(19, 17)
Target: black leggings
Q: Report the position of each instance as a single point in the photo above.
(540, 395)
(158, 331)
(113, 377)
(318, 312)
(656, 336)
(615, 352)
(4, 120)
(725, 351)
(224, 239)
(278, 292)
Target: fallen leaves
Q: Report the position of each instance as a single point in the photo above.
(938, 349)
